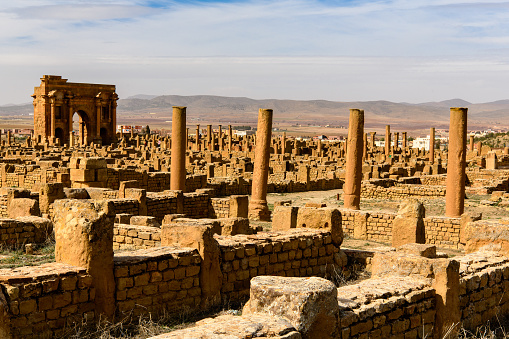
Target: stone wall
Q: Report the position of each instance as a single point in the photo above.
(443, 232)
(15, 232)
(157, 280)
(135, 237)
(387, 307)
(483, 289)
(401, 191)
(439, 231)
(45, 301)
(293, 253)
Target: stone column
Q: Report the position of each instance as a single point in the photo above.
(209, 136)
(98, 131)
(9, 137)
(455, 186)
(353, 175)
(258, 208)
(403, 140)
(213, 142)
(230, 135)
(187, 138)
(197, 146)
(283, 143)
(220, 137)
(178, 149)
(387, 140)
(396, 140)
(71, 139)
(471, 143)
(365, 147)
(52, 131)
(373, 140)
(432, 145)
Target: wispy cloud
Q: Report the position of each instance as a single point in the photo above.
(206, 43)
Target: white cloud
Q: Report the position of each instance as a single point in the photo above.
(382, 49)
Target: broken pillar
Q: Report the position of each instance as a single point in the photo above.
(84, 238)
(455, 185)
(258, 208)
(353, 176)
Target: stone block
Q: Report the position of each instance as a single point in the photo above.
(310, 304)
(408, 226)
(284, 218)
(22, 207)
(322, 218)
(82, 175)
(233, 226)
(142, 220)
(239, 206)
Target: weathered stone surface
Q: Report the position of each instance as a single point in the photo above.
(200, 237)
(422, 250)
(143, 220)
(43, 227)
(284, 217)
(322, 218)
(235, 327)
(234, 226)
(84, 238)
(22, 207)
(310, 304)
(408, 226)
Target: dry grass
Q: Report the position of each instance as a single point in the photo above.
(11, 257)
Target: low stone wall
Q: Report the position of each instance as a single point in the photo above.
(400, 191)
(14, 232)
(387, 307)
(483, 288)
(45, 301)
(135, 237)
(376, 226)
(157, 280)
(219, 208)
(126, 206)
(293, 253)
(196, 205)
(443, 232)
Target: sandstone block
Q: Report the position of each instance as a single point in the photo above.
(310, 304)
(322, 218)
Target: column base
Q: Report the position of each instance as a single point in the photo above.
(351, 201)
(258, 210)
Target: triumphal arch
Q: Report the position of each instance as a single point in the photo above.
(58, 102)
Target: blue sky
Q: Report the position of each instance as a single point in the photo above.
(397, 50)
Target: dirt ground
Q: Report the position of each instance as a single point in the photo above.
(434, 207)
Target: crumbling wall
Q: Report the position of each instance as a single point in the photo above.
(45, 301)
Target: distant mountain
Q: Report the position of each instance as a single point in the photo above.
(142, 96)
(222, 110)
(448, 103)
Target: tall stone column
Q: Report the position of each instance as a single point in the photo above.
(455, 186)
(353, 175)
(230, 136)
(52, 131)
(387, 140)
(372, 134)
(471, 143)
(365, 146)
(187, 138)
(319, 148)
(213, 142)
(178, 149)
(258, 209)
(403, 140)
(432, 145)
(283, 143)
(220, 137)
(197, 146)
(209, 136)
(396, 140)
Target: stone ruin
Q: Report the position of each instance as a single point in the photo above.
(152, 225)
